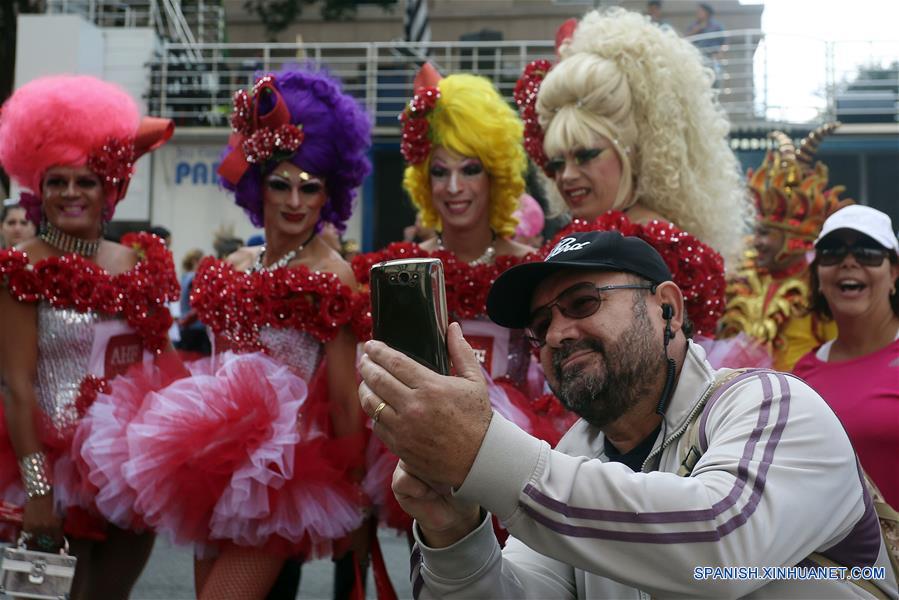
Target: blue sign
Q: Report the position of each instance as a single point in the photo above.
(196, 173)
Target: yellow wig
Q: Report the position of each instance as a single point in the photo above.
(473, 120)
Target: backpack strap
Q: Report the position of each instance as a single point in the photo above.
(889, 522)
(691, 451)
(866, 584)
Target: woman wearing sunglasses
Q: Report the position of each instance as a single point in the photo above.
(627, 129)
(854, 281)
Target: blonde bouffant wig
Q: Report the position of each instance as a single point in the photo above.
(646, 89)
(473, 120)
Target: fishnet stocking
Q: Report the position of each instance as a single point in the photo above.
(238, 572)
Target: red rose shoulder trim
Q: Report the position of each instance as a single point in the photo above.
(236, 305)
(467, 286)
(139, 295)
(695, 267)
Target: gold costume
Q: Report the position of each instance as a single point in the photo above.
(772, 306)
(776, 313)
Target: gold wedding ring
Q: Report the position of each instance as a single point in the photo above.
(377, 414)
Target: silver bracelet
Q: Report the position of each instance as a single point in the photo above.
(34, 475)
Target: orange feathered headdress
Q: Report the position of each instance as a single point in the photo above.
(790, 189)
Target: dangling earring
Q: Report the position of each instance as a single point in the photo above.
(104, 221)
(44, 225)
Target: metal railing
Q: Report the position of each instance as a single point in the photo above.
(201, 21)
(760, 80)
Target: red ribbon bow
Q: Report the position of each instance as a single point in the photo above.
(256, 136)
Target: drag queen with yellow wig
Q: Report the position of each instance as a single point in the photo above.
(467, 178)
(465, 173)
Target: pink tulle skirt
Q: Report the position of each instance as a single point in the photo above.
(81, 484)
(737, 352)
(237, 452)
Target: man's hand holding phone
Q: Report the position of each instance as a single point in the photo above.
(434, 423)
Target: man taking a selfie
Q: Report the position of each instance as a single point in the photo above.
(677, 479)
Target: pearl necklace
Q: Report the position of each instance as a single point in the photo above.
(484, 259)
(69, 243)
(259, 265)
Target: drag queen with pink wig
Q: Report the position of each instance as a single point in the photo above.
(77, 312)
(258, 456)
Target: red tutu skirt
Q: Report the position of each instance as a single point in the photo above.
(237, 452)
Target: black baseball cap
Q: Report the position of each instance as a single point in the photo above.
(509, 300)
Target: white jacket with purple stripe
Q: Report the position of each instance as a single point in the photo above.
(777, 481)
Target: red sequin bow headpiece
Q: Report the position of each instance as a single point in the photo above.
(114, 161)
(525, 95)
(258, 138)
(416, 141)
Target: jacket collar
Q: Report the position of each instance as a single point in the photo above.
(695, 377)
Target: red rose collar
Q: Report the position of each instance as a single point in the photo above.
(695, 267)
(236, 305)
(467, 286)
(71, 281)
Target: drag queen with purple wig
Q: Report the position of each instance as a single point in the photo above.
(258, 456)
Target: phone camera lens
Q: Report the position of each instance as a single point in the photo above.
(404, 277)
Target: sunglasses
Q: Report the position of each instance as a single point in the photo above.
(864, 255)
(577, 302)
(581, 157)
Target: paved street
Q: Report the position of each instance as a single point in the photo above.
(169, 575)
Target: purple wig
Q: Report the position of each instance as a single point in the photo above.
(337, 136)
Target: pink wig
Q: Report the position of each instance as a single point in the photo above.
(60, 121)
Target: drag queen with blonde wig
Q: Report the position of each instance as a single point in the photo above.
(81, 316)
(465, 174)
(627, 127)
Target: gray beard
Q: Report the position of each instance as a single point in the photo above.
(632, 364)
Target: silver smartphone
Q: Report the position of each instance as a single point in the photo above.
(408, 309)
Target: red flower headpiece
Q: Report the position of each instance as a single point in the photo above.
(114, 161)
(259, 138)
(526, 98)
(525, 95)
(416, 141)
